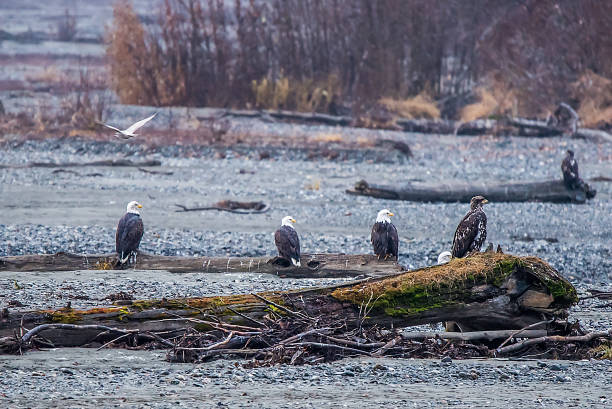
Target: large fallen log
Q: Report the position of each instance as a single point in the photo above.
(547, 191)
(487, 291)
(313, 265)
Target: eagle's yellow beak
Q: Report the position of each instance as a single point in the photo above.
(391, 214)
(293, 221)
(485, 201)
(140, 206)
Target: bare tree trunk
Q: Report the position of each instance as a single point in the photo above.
(488, 291)
(547, 191)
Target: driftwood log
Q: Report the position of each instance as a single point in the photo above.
(107, 162)
(546, 191)
(488, 291)
(503, 126)
(313, 265)
(231, 206)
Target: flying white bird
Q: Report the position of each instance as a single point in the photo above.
(129, 132)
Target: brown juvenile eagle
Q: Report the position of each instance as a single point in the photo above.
(384, 236)
(287, 241)
(472, 231)
(129, 233)
(569, 167)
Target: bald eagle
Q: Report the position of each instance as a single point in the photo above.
(569, 167)
(472, 231)
(129, 233)
(287, 241)
(444, 257)
(384, 236)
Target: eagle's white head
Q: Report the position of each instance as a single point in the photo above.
(384, 216)
(288, 221)
(133, 207)
(444, 257)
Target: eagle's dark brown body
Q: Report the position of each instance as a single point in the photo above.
(288, 244)
(385, 240)
(471, 232)
(569, 167)
(129, 233)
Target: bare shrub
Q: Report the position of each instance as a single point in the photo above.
(495, 99)
(595, 95)
(87, 107)
(66, 27)
(316, 55)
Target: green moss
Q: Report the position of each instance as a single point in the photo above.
(65, 317)
(564, 294)
(440, 286)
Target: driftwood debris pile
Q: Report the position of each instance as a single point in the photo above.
(511, 305)
(500, 126)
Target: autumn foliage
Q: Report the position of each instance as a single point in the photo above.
(316, 55)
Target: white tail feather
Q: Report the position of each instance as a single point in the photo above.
(296, 262)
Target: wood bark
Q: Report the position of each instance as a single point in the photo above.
(484, 290)
(108, 162)
(546, 191)
(313, 265)
(504, 126)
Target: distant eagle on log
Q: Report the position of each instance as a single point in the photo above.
(129, 233)
(472, 231)
(384, 236)
(287, 241)
(569, 167)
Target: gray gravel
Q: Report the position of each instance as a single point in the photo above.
(111, 378)
(43, 212)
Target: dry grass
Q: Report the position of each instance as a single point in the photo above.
(328, 138)
(595, 95)
(495, 99)
(419, 106)
(285, 93)
(50, 75)
(315, 185)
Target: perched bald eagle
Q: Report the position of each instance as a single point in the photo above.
(287, 241)
(444, 257)
(129, 233)
(384, 236)
(472, 231)
(569, 167)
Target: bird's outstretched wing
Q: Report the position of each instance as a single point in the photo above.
(133, 128)
(109, 127)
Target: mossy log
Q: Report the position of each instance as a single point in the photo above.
(488, 291)
(546, 191)
(313, 265)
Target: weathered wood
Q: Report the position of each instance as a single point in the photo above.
(313, 265)
(481, 290)
(231, 206)
(289, 116)
(108, 162)
(475, 335)
(546, 191)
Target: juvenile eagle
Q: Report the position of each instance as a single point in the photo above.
(569, 167)
(472, 231)
(287, 241)
(129, 233)
(384, 236)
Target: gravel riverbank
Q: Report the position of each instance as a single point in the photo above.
(45, 212)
